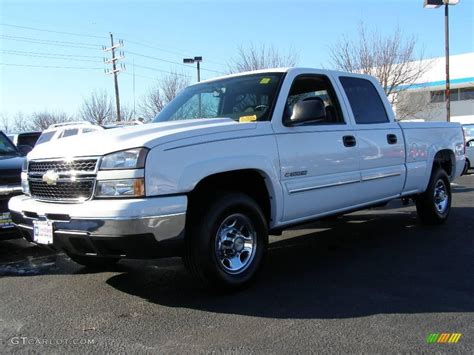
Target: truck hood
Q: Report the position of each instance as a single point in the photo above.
(147, 135)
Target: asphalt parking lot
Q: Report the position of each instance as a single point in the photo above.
(374, 281)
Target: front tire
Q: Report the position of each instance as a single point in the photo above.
(433, 206)
(226, 243)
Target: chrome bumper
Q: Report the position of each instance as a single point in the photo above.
(164, 217)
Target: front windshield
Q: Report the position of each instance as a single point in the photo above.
(242, 98)
(6, 146)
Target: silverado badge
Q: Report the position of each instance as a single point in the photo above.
(51, 177)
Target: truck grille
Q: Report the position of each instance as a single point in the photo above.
(78, 190)
(86, 165)
(76, 179)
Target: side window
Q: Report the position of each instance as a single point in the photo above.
(69, 132)
(312, 98)
(89, 130)
(365, 101)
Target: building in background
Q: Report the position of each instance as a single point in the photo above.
(427, 95)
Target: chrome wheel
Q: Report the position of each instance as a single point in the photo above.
(236, 243)
(441, 196)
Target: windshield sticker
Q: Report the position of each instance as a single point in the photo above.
(251, 118)
(265, 80)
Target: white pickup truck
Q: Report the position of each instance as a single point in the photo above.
(227, 163)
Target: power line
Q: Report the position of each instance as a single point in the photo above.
(169, 51)
(51, 54)
(51, 31)
(181, 53)
(51, 42)
(48, 66)
(159, 70)
(170, 61)
(50, 57)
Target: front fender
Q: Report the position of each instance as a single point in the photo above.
(177, 170)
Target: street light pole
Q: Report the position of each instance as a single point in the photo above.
(446, 39)
(196, 60)
(434, 4)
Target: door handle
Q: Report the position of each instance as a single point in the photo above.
(349, 141)
(392, 138)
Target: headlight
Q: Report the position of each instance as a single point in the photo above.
(120, 188)
(25, 187)
(126, 159)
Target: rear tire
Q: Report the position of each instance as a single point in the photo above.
(433, 206)
(94, 262)
(226, 241)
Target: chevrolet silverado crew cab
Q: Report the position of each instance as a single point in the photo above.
(230, 161)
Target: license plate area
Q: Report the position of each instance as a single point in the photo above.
(43, 232)
(5, 220)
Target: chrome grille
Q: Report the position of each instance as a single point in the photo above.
(75, 179)
(40, 167)
(63, 190)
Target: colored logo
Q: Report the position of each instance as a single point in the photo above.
(443, 338)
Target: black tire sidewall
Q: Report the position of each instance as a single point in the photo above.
(206, 232)
(441, 175)
(426, 204)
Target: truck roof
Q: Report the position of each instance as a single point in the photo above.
(279, 70)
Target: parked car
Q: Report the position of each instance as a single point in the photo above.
(468, 131)
(67, 129)
(230, 161)
(469, 156)
(11, 162)
(24, 141)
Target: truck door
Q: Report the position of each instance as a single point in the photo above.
(318, 155)
(380, 141)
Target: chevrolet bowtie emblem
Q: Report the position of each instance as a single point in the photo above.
(51, 177)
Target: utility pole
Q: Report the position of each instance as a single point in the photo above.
(115, 70)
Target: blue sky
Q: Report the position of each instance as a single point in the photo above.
(170, 30)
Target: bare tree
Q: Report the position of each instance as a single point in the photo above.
(97, 108)
(5, 123)
(21, 123)
(251, 57)
(42, 120)
(167, 89)
(391, 59)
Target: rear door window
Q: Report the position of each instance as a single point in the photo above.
(69, 132)
(366, 104)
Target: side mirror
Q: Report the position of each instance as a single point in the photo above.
(470, 143)
(308, 110)
(24, 149)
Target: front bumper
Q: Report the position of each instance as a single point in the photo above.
(135, 228)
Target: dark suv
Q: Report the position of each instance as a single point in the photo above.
(11, 162)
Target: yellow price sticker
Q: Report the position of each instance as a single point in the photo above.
(265, 80)
(244, 119)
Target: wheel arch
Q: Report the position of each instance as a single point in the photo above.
(253, 182)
